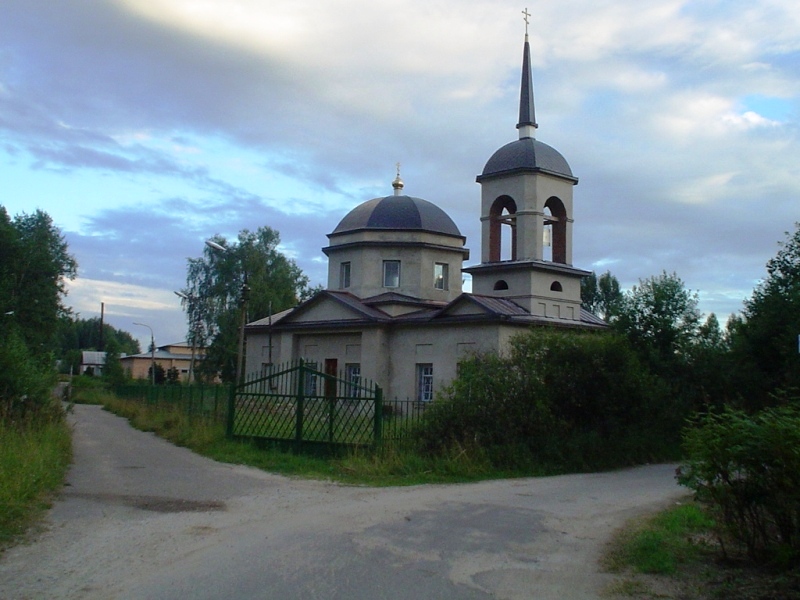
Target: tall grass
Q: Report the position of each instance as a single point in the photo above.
(660, 544)
(398, 463)
(33, 461)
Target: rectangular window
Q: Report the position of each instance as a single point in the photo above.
(353, 375)
(344, 275)
(311, 379)
(441, 274)
(424, 382)
(391, 273)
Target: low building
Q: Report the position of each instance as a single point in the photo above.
(92, 363)
(171, 356)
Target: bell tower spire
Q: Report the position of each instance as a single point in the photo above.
(526, 220)
(527, 114)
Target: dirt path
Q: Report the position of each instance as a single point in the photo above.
(141, 519)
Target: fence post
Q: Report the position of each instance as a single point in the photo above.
(231, 406)
(378, 414)
(301, 382)
(331, 414)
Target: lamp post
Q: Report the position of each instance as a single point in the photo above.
(244, 297)
(152, 353)
(190, 302)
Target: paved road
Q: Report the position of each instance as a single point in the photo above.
(142, 519)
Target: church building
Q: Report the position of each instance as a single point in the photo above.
(394, 310)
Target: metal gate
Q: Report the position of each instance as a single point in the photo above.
(297, 403)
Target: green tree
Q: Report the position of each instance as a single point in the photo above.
(173, 376)
(113, 372)
(601, 296)
(33, 273)
(765, 339)
(76, 334)
(33, 269)
(660, 317)
(161, 374)
(212, 297)
(711, 367)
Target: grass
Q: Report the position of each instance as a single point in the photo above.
(675, 554)
(662, 543)
(34, 458)
(396, 464)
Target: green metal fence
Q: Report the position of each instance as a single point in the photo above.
(202, 400)
(295, 402)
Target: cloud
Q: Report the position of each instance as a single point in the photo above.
(149, 126)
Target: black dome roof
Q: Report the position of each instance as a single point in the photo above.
(527, 154)
(398, 212)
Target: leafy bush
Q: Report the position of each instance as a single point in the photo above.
(747, 468)
(25, 384)
(560, 400)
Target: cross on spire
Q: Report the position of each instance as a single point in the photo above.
(397, 184)
(526, 17)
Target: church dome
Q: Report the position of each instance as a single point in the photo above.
(397, 213)
(527, 154)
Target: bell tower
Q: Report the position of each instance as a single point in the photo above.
(526, 220)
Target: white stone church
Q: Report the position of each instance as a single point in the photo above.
(394, 311)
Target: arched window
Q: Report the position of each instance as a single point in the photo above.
(556, 287)
(502, 214)
(557, 221)
(500, 285)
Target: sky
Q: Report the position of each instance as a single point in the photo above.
(144, 127)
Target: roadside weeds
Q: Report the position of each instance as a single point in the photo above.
(676, 554)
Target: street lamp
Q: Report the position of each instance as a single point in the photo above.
(152, 352)
(245, 294)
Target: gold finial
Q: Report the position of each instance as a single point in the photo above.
(526, 17)
(397, 184)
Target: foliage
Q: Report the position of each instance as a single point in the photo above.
(747, 469)
(765, 339)
(213, 294)
(25, 381)
(395, 464)
(33, 462)
(32, 277)
(561, 400)
(161, 374)
(601, 296)
(113, 372)
(173, 376)
(76, 334)
(708, 380)
(34, 267)
(660, 317)
(661, 543)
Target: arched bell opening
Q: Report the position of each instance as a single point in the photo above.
(555, 226)
(503, 229)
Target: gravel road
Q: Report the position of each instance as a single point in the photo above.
(141, 519)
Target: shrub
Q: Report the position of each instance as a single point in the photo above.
(560, 400)
(25, 384)
(747, 468)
